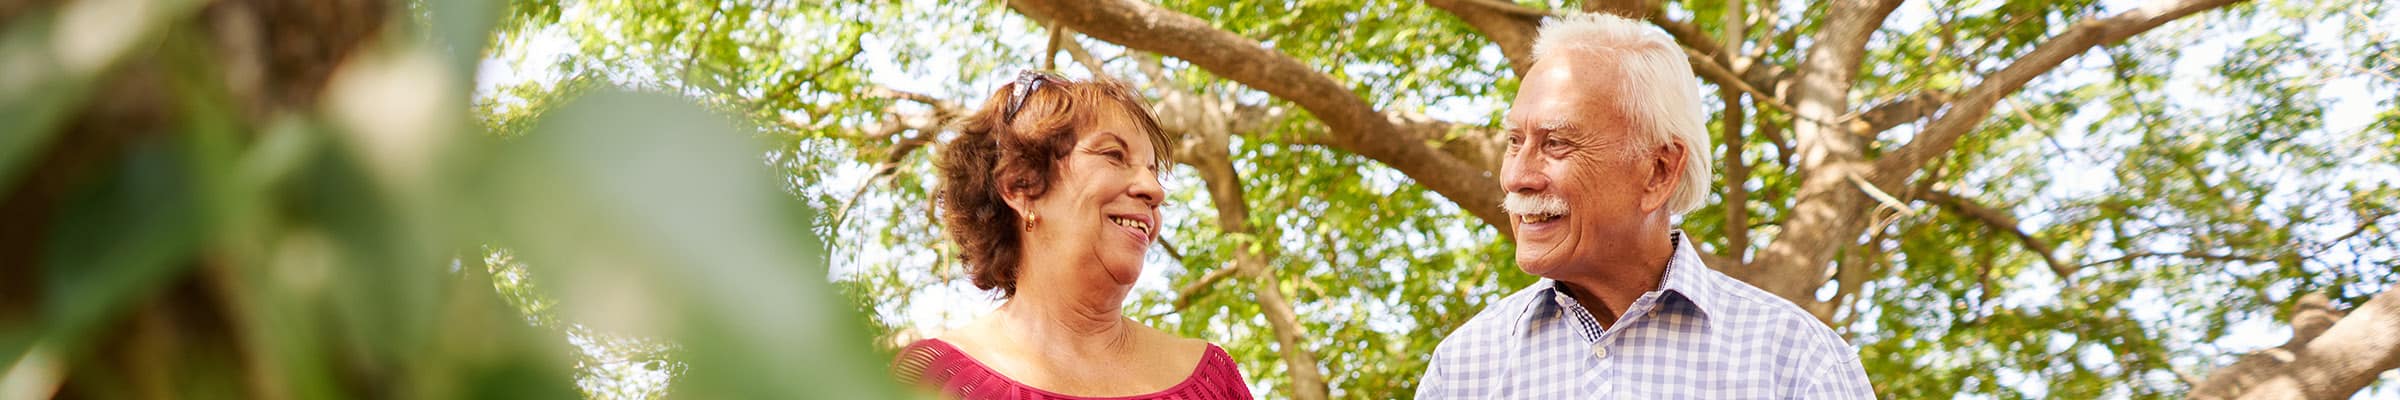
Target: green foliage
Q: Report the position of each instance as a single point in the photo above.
(2190, 202)
(2187, 205)
(302, 254)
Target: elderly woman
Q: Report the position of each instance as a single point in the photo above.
(1052, 191)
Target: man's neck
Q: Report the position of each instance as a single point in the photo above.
(1609, 287)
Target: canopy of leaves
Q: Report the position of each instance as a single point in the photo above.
(2193, 180)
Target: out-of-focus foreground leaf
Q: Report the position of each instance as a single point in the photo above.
(645, 211)
(281, 200)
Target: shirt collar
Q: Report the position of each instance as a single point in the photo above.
(1686, 279)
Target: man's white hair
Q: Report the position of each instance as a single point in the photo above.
(1662, 97)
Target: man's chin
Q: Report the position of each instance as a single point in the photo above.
(1532, 265)
(1541, 258)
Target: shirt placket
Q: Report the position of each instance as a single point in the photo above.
(1603, 376)
(1595, 377)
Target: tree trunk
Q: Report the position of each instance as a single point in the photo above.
(1210, 154)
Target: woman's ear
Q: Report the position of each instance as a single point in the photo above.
(1007, 180)
(1666, 172)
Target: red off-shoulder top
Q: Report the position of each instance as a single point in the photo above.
(934, 363)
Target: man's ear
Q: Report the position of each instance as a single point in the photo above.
(1665, 163)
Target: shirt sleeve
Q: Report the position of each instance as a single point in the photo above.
(1844, 379)
(1430, 385)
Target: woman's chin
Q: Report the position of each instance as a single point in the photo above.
(1124, 272)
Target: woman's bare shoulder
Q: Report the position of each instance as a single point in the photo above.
(966, 338)
(1176, 349)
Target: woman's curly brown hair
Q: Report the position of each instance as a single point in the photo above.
(995, 154)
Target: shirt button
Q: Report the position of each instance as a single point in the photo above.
(1600, 351)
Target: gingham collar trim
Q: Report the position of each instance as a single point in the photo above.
(1685, 279)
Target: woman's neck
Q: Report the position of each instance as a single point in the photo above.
(1066, 325)
(1062, 303)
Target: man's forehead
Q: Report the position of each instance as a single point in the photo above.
(1565, 93)
(1568, 114)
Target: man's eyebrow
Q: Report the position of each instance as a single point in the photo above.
(1550, 125)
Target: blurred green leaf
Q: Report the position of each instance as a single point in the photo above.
(653, 216)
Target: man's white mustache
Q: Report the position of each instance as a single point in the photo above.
(1519, 204)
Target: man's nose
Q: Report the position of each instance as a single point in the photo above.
(1521, 173)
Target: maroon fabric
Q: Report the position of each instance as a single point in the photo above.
(935, 363)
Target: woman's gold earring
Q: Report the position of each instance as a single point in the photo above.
(1030, 218)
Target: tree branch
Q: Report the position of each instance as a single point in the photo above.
(1475, 145)
(2330, 355)
(1201, 287)
(926, 125)
(1514, 28)
(942, 106)
(1894, 113)
(2368, 221)
(707, 27)
(1969, 111)
(1737, 174)
(1206, 147)
(1826, 214)
(784, 92)
(2000, 220)
(1631, 9)
(1233, 215)
(884, 170)
(1353, 124)
(1509, 25)
(2193, 254)
(1307, 382)
(1082, 56)
(1773, 132)
(1050, 54)
(1831, 67)
(1729, 66)
(1736, 22)
(1708, 69)
(1848, 276)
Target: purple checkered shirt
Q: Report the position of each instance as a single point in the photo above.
(1701, 335)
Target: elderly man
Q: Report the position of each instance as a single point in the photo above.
(1605, 145)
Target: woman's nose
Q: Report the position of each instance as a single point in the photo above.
(1147, 188)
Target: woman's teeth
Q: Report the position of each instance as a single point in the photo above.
(1136, 225)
